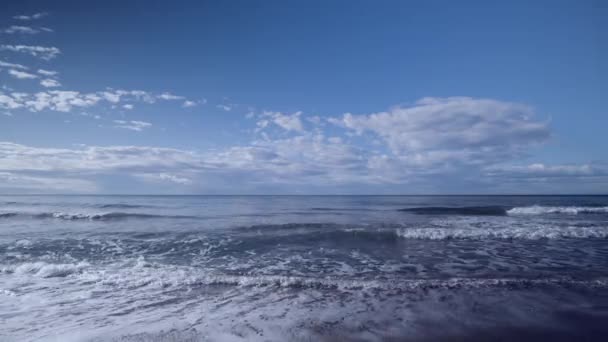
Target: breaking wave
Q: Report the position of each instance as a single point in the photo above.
(507, 210)
(92, 216)
(396, 285)
(479, 210)
(527, 233)
(572, 210)
(454, 230)
(45, 270)
(143, 274)
(123, 206)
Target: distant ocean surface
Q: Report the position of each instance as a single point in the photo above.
(303, 268)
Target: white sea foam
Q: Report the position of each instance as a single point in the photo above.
(528, 233)
(572, 210)
(77, 216)
(101, 216)
(145, 274)
(138, 298)
(23, 243)
(7, 292)
(45, 270)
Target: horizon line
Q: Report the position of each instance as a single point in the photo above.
(251, 195)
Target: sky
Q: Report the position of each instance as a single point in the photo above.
(304, 97)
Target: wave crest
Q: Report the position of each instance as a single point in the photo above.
(155, 275)
(46, 270)
(476, 211)
(507, 210)
(503, 233)
(145, 274)
(572, 210)
(92, 216)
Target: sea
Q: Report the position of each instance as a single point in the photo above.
(303, 268)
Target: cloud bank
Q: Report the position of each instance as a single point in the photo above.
(478, 141)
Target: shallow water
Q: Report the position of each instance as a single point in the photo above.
(303, 268)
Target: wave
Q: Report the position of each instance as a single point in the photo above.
(477, 210)
(399, 284)
(527, 233)
(92, 216)
(101, 206)
(454, 231)
(45, 270)
(341, 209)
(507, 210)
(6, 215)
(294, 226)
(142, 274)
(123, 206)
(572, 210)
(390, 285)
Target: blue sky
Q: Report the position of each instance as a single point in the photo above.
(315, 97)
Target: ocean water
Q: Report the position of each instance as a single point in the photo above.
(303, 268)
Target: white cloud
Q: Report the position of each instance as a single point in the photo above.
(55, 100)
(261, 124)
(308, 158)
(95, 159)
(140, 95)
(430, 142)
(164, 177)
(8, 102)
(128, 106)
(188, 104)
(49, 73)
(541, 170)
(289, 122)
(21, 74)
(115, 96)
(297, 159)
(65, 101)
(11, 182)
(21, 29)
(132, 125)
(31, 17)
(225, 108)
(169, 96)
(43, 52)
(436, 136)
(12, 65)
(452, 130)
(547, 178)
(315, 120)
(50, 83)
